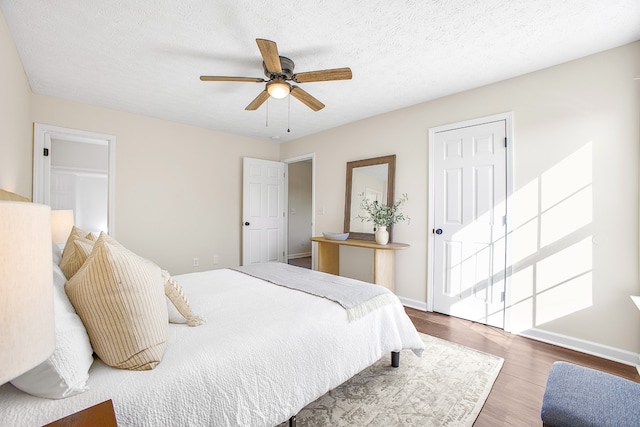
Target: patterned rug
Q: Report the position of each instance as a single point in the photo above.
(447, 386)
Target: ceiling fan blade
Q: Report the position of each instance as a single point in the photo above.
(306, 99)
(270, 56)
(323, 75)
(231, 79)
(256, 103)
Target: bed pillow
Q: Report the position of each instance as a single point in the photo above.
(83, 248)
(66, 371)
(71, 260)
(120, 299)
(177, 304)
(57, 254)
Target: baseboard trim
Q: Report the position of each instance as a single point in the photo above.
(301, 255)
(412, 303)
(606, 352)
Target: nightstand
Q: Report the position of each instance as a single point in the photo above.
(100, 415)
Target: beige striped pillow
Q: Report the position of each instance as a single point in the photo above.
(72, 260)
(83, 247)
(120, 298)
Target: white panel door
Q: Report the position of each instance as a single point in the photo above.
(469, 217)
(263, 211)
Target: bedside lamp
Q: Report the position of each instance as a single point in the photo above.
(27, 334)
(61, 224)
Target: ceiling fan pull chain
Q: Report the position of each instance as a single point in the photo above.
(289, 116)
(267, 118)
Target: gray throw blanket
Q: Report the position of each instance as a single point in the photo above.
(355, 296)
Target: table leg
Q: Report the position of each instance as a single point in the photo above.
(329, 258)
(384, 268)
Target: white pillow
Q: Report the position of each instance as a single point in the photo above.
(66, 371)
(57, 254)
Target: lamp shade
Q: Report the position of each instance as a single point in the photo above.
(61, 224)
(27, 334)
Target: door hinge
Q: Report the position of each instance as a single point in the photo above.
(505, 141)
(45, 152)
(502, 296)
(504, 220)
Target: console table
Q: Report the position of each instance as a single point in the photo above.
(383, 258)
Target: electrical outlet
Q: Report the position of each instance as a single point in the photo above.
(216, 259)
(196, 262)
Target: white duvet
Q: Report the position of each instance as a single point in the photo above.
(265, 352)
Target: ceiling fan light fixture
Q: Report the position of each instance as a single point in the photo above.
(278, 89)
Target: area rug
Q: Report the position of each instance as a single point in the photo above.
(447, 386)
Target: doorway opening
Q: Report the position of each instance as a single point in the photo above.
(75, 170)
(300, 210)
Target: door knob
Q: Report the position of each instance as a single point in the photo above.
(439, 231)
(247, 223)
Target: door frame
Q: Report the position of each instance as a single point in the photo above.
(508, 118)
(42, 135)
(296, 159)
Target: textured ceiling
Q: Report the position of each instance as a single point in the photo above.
(146, 56)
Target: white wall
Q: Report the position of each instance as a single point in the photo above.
(586, 109)
(15, 123)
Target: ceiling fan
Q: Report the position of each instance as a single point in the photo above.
(279, 72)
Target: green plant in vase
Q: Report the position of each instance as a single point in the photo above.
(383, 216)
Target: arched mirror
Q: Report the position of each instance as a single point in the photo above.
(372, 179)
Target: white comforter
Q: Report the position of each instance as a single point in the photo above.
(265, 352)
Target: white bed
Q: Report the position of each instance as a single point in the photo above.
(264, 353)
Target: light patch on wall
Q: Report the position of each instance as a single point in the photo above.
(566, 217)
(567, 177)
(522, 299)
(553, 252)
(526, 199)
(564, 265)
(571, 296)
(526, 237)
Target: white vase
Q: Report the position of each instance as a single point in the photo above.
(382, 235)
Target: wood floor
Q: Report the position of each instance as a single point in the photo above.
(516, 397)
(304, 262)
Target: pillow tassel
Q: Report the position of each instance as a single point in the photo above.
(174, 292)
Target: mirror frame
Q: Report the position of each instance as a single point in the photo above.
(390, 161)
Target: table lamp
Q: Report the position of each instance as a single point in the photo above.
(27, 334)
(61, 224)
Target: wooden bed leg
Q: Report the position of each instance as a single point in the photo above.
(395, 359)
(292, 421)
